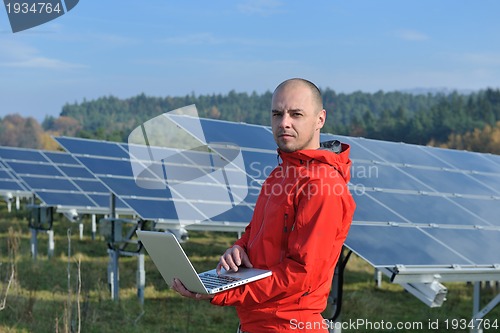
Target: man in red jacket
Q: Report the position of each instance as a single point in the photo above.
(301, 219)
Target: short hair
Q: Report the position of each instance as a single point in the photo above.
(316, 93)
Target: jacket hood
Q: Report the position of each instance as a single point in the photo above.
(333, 153)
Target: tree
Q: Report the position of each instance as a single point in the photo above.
(65, 125)
(16, 131)
(214, 113)
(486, 140)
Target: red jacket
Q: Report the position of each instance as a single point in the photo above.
(301, 219)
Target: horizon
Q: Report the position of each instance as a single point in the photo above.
(416, 91)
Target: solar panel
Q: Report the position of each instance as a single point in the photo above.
(483, 208)
(463, 160)
(57, 179)
(419, 209)
(479, 246)
(407, 195)
(10, 185)
(445, 181)
(151, 199)
(371, 175)
(241, 134)
(427, 209)
(259, 165)
(419, 206)
(394, 153)
(493, 158)
(393, 245)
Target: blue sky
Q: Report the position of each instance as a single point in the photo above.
(161, 48)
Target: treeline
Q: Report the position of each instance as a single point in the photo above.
(453, 120)
(358, 113)
(17, 131)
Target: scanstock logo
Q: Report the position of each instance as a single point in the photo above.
(26, 14)
(171, 152)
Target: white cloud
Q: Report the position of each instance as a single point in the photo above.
(195, 39)
(13, 50)
(206, 38)
(260, 7)
(41, 63)
(116, 40)
(411, 35)
(396, 79)
(481, 59)
(14, 54)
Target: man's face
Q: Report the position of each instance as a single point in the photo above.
(296, 119)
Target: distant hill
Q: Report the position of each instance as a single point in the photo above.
(424, 116)
(436, 91)
(112, 118)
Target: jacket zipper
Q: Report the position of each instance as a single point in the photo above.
(284, 238)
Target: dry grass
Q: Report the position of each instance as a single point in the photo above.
(69, 292)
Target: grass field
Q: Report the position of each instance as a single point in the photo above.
(71, 293)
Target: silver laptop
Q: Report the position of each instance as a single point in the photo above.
(172, 262)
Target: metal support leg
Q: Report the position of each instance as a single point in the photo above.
(80, 227)
(378, 278)
(34, 243)
(114, 255)
(141, 277)
(94, 226)
(51, 247)
(477, 313)
(336, 327)
(476, 302)
(114, 274)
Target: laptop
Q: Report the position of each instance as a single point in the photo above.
(172, 262)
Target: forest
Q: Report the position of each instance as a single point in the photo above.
(452, 120)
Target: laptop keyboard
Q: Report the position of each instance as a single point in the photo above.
(213, 280)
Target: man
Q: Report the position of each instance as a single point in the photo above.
(299, 225)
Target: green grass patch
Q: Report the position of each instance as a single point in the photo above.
(45, 295)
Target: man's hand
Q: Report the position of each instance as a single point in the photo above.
(233, 257)
(180, 289)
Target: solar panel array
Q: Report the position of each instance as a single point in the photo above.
(415, 205)
(10, 185)
(424, 206)
(423, 214)
(56, 178)
(112, 163)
